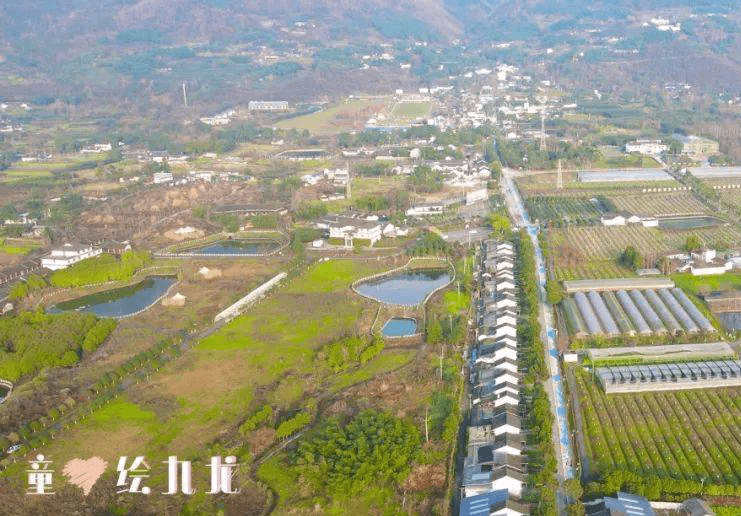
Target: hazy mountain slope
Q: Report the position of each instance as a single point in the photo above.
(140, 50)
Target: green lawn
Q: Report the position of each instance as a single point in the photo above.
(264, 356)
(341, 117)
(707, 284)
(412, 109)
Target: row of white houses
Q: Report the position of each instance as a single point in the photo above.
(494, 472)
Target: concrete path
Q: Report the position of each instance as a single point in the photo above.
(554, 384)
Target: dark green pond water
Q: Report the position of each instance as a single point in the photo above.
(704, 221)
(119, 302)
(405, 288)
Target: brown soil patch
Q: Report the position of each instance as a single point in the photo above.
(426, 477)
(260, 440)
(179, 237)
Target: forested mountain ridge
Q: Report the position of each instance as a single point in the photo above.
(140, 51)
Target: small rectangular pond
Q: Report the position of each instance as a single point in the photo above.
(681, 223)
(399, 327)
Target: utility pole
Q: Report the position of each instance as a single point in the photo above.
(427, 436)
(185, 95)
(348, 192)
(441, 361)
(542, 128)
(559, 177)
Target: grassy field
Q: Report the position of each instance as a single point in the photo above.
(407, 111)
(706, 284)
(625, 161)
(267, 356)
(682, 435)
(13, 246)
(364, 186)
(545, 184)
(346, 116)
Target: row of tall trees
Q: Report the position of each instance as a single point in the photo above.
(539, 419)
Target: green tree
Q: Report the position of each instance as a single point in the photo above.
(630, 258)
(693, 243)
(500, 225)
(572, 489)
(424, 179)
(575, 509)
(554, 291)
(434, 331)
(8, 212)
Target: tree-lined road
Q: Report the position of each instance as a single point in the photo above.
(554, 385)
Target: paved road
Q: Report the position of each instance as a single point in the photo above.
(464, 236)
(554, 385)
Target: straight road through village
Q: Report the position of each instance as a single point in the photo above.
(554, 384)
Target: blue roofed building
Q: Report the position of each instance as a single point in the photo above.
(624, 505)
(494, 503)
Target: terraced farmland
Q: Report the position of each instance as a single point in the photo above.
(562, 210)
(692, 436)
(660, 205)
(605, 243)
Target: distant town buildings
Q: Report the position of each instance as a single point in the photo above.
(220, 119)
(697, 147)
(648, 147)
(339, 176)
(423, 210)
(97, 148)
(162, 177)
(268, 105)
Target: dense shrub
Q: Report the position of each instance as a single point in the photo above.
(34, 340)
(373, 450)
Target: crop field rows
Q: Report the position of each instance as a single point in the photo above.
(732, 196)
(545, 184)
(573, 210)
(592, 270)
(660, 205)
(606, 243)
(685, 435)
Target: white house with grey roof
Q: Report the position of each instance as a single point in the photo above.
(350, 228)
(68, 254)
